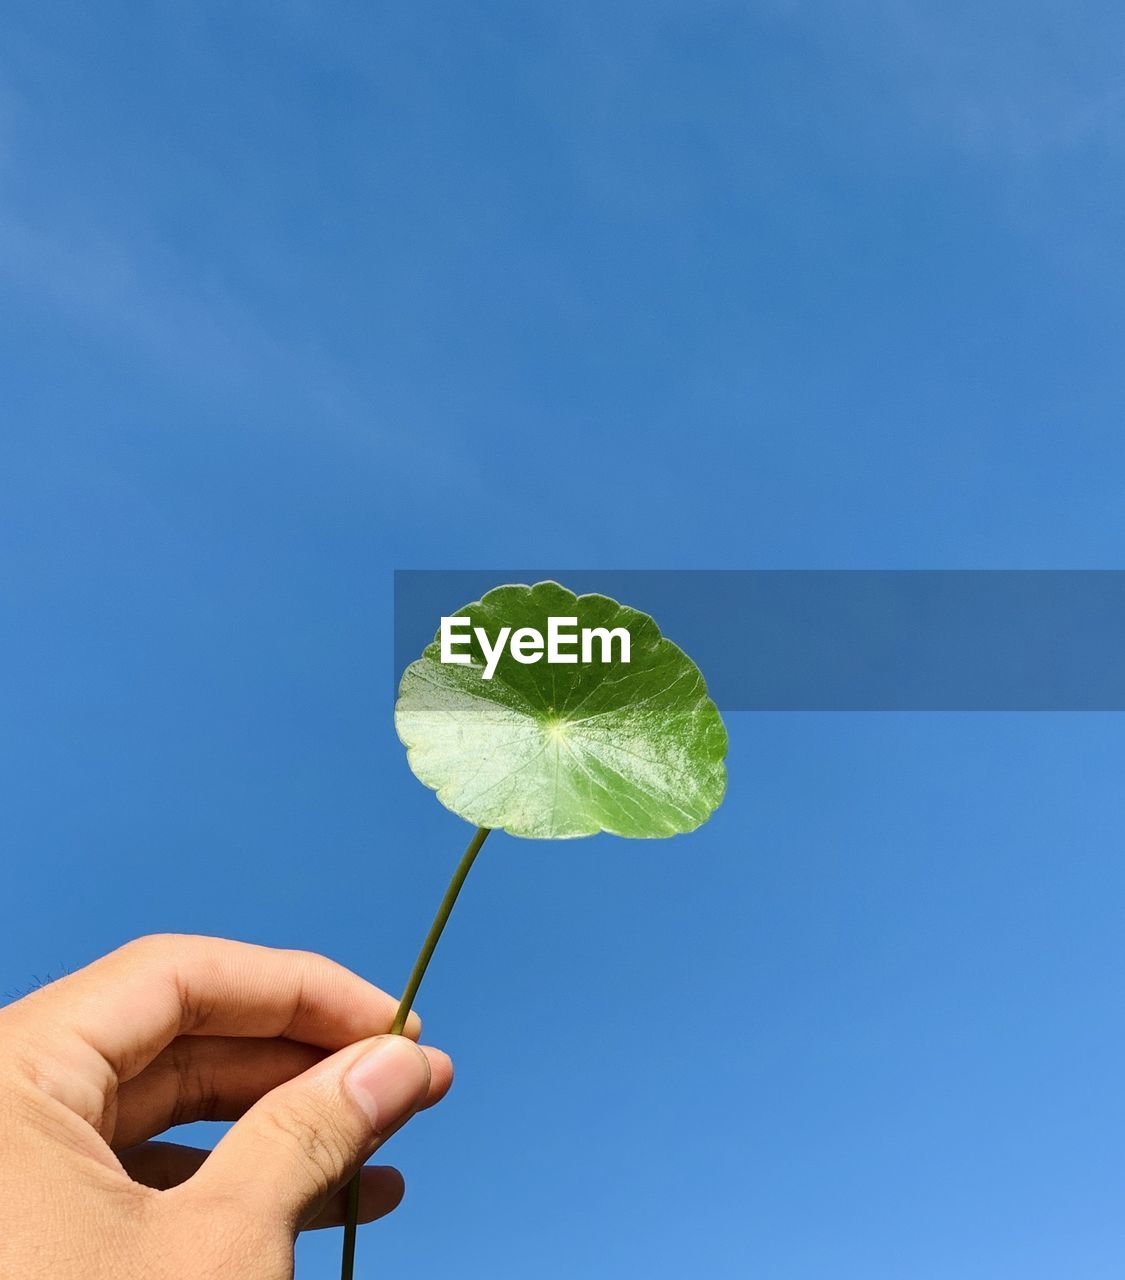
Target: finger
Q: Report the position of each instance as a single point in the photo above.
(301, 1142)
(163, 1165)
(209, 1078)
(381, 1189)
(106, 1023)
(204, 1078)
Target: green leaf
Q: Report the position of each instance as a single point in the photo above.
(551, 751)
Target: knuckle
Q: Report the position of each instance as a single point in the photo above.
(183, 961)
(149, 943)
(197, 1088)
(303, 957)
(314, 1135)
(153, 947)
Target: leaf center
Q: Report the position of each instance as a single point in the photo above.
(557, 729)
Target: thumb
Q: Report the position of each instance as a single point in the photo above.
(304, 1139)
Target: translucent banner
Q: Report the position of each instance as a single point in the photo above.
(851, 640)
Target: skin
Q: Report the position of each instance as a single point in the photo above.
(171, 1029)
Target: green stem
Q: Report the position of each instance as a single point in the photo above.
(347, 1264)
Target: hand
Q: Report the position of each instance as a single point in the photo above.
(171, 1029)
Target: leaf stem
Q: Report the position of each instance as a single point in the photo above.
(347, 1264)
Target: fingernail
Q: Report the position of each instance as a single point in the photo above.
(387, 1081)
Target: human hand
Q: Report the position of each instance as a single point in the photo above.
(170, 1029)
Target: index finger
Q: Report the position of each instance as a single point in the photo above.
(129, 1005)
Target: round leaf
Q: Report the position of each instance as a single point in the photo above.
(552, 751)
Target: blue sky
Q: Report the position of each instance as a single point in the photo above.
(294, 295)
